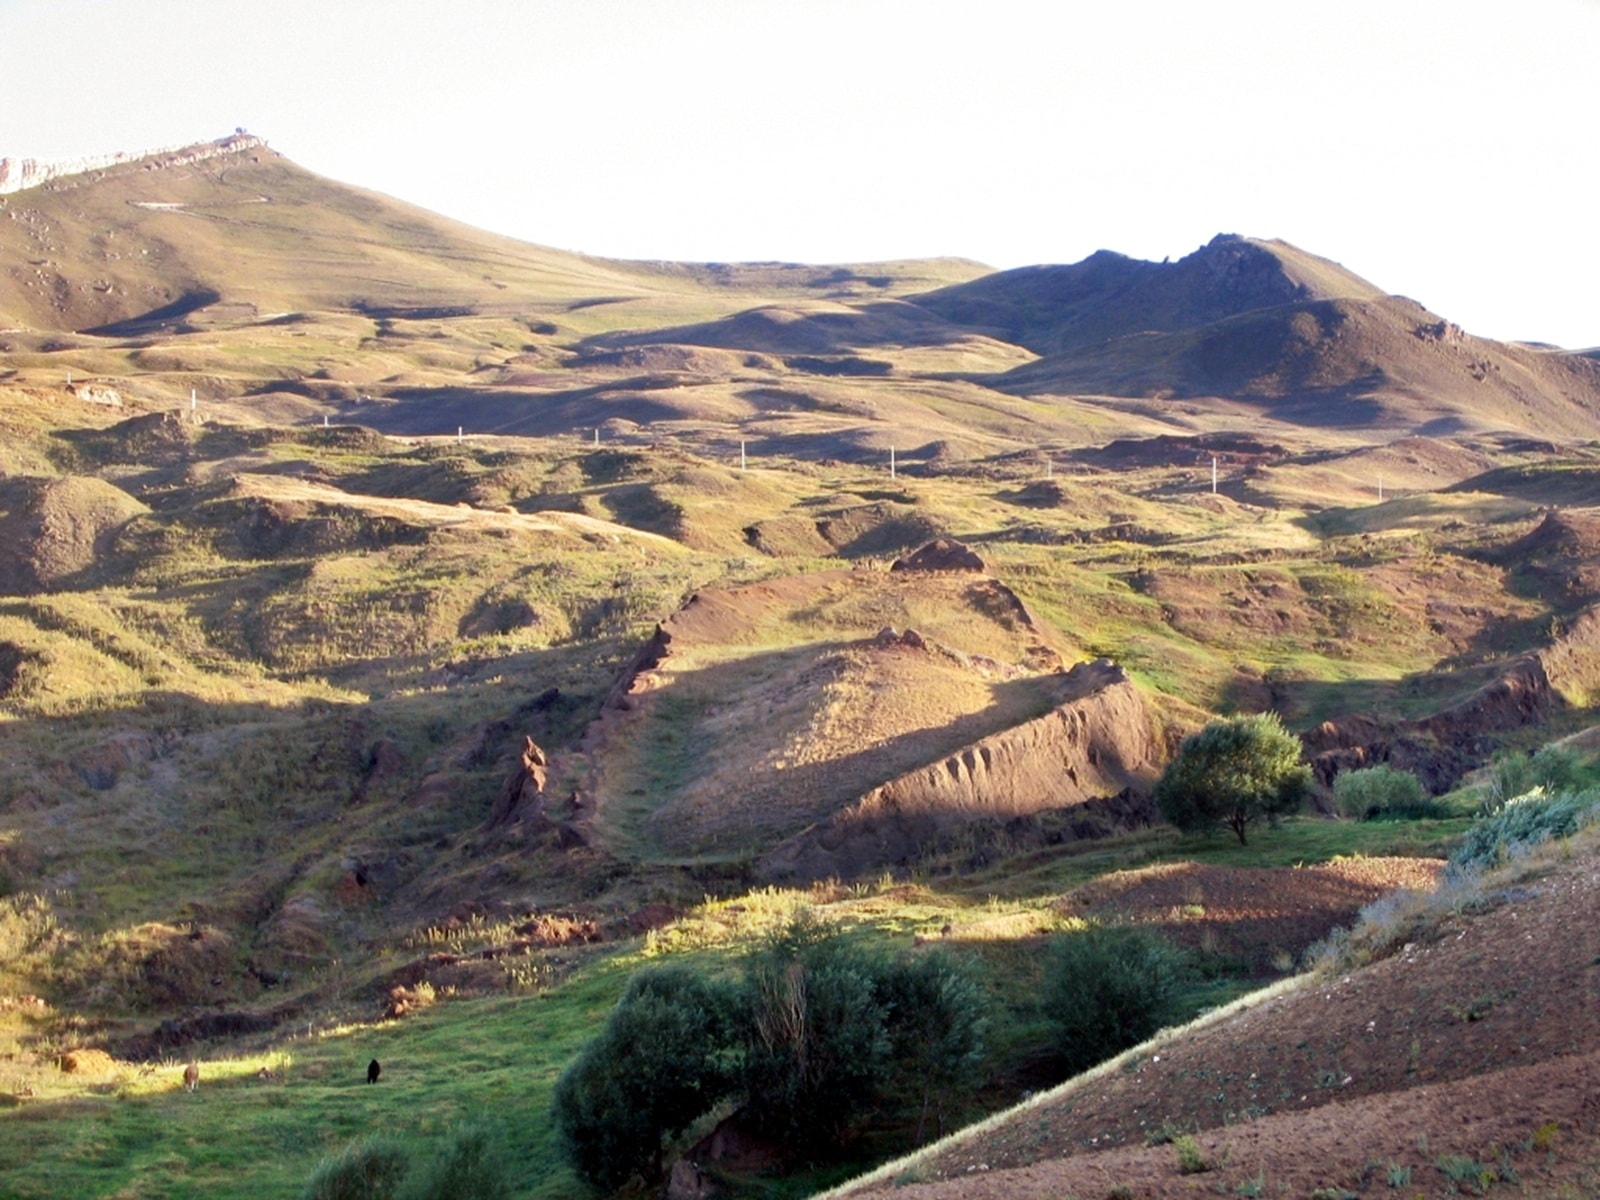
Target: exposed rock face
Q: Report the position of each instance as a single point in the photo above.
(1093, 751)
(942, 554)
(17, 174)
(96, 393)
(1441, 748)
(523, 793)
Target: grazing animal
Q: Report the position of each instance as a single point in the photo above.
(373, 1071)
(191, 1077)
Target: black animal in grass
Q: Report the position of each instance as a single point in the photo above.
(373, 1071)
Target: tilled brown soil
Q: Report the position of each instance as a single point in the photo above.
(1263, 917)
(1468, 1063)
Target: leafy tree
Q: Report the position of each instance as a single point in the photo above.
(658, 1064)
(1110, 987)
(1234, 772)
(1381, 791)
(816, 1041)
(936, 1026)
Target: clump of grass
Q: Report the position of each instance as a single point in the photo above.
(1464, 1170)
(368, 1170)
(1192, 1159)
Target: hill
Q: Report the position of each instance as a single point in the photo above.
(1430, 1071)
(406, 633)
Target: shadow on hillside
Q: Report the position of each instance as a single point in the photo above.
(784, 331)
(703, 779)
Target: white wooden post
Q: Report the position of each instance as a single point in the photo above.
(891, 462)
(1213, 474)
(741, 454)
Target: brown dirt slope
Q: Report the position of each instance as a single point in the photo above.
(1094, 754)
(1411, 1067)
(53, 529)
(758, 710)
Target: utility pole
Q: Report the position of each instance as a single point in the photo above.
(891, 462)
(1213, 474)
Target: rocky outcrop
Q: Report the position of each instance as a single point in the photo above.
(1093, 753)
(1439, 749)
(522, 795)
(19, 174)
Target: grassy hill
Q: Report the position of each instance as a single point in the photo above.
(343, 505)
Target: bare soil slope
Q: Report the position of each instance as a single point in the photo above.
(1410, 1067)
(759, 709)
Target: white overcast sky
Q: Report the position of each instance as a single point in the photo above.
(1443, 150)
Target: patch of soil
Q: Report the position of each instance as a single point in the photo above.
(1442, 1055)
(1255, 915)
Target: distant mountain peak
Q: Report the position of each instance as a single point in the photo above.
(19, 174)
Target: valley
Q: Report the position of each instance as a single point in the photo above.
(407, 633)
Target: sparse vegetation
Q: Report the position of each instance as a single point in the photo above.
(265, 672)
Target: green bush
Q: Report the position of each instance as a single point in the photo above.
(816, 1040)
(1552, 768)
(1529, 819)
(1111, 987)
(1233, 773)
(936, 1026)
(367, 1170)
(468, 1166)
(817, 1034)
(657, 1065)
(1381, 791)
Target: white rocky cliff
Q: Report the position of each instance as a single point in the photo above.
(19, 174)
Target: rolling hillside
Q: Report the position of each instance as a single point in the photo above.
(407, 632)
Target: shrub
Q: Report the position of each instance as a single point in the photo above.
(1233, 773)
(1525, 821)
(467, 1167)
(367, 1170)
(815, 1034)
(658, 1064)
(1108, 988)
(1552, 768)
(936, 1024)
(1382, 791)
